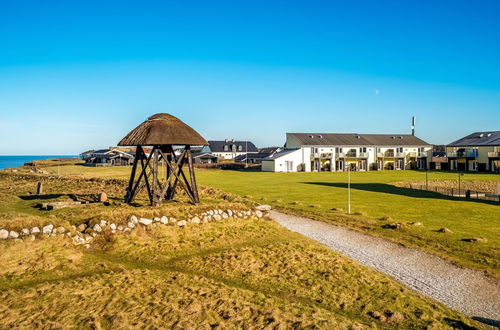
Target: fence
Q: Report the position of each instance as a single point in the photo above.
(455, 192)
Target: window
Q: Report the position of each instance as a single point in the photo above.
(362, 149)
(399, 149)
(338, 150)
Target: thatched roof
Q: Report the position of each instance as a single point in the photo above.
(163, 128)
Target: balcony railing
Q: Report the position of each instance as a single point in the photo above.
(422, 154)
(326, 155)
(390, 154)
(494, 154)
(461, 154)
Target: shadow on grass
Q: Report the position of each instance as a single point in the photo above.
(390, 189)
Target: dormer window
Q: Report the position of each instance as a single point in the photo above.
(311, 136)
(226, 148)
(240, 148)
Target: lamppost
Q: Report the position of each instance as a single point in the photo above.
(459, 175)
(348, 189)
(426, 180)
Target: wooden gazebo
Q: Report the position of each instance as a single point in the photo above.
(159, 134)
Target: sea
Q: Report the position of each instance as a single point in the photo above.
(15, 161)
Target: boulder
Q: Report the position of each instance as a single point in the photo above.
(145, 222)
(445, 230)
(97, 228)
(35, 230)
(68, 234)
(130, 225)
(13, 234)
(258, 213)
(60, 230)
(416, 223)
(112, 226)
(164, 220)
(103, 223)
(181, 223)
(229, 213)
(217, 217)
(195, 220)
(47, 229)
(78, 240)
(102, 197)
(224, 215)
(263, 207)
(81, 227)
(4, 234)
(25, 231)
(120, 228)
(32, 237)
(156, 219)
(210, 212)
(127, 229)
(133, 219)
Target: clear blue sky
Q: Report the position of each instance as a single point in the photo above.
(81, 74)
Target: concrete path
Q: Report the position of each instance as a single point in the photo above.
(467, 291)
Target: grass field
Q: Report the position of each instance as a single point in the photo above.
(227, 274)
(323, 196)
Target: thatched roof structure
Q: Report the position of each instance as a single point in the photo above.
(163, 129)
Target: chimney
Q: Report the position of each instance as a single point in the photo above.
(413, 125)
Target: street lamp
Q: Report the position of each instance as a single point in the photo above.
(459, 175)
(348, 189)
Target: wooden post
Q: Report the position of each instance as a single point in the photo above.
(39, 188)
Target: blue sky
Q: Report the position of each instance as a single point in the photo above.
(81, 74)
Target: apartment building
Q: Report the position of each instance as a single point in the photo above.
(327, 152)
(479, 151)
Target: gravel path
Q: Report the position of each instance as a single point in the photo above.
(465, 290)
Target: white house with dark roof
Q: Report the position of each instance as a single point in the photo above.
(327, 152)
(479, 151)
(230, 149)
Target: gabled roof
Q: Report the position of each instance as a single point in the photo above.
(269, 150)
(218, 146)
(203, 155)
(478, 139)
(280, 154)
(242, 158)
(354, 139)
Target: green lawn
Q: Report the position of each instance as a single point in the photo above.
(373, 198)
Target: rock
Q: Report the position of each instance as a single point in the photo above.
(94, 234)
(4, 234)
(224, 215)
(97, 228)
(112, 226)
(102, 197)
(386, 218)
(156, 219)
(476, 239)
(172, 221)
(379, 316)
(195, 220)
(48, 229)
(445, 230)
(217, 217)
(103, 223)
(32, 237)
(392, 226)
(127, 229)
(258, 214)
(416, 223)
(229, 213)
(81, 227)
(60, 230)
(263, 207)
(78, 240)
(164, 220)
(182, 223)
(25, 231)
(35, 230)
(205, 219)
(13, 234)
(133, 219)
(145, 222)
(130, 225)
(120, 228)
(68, 234)
(395, 317)
(210, 212)
(73, 228)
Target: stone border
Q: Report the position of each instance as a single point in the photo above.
(84, 233)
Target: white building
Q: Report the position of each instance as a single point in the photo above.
(230, 149)
(327, 152)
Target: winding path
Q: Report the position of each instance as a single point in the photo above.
(465, 290)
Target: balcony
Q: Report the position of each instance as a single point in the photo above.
(422, 155)
(326, 155)
(461, 154)
(390, 154)
(494, 154)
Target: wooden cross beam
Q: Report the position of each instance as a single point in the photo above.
(156, 188)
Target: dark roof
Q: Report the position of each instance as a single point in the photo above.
(101, 151)
(87, 152)
(218, 146)
(269, 150)
(203, 155)
(163, 129)
(242, 158)
(354, 139)
(478, 139)
(280, 154)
